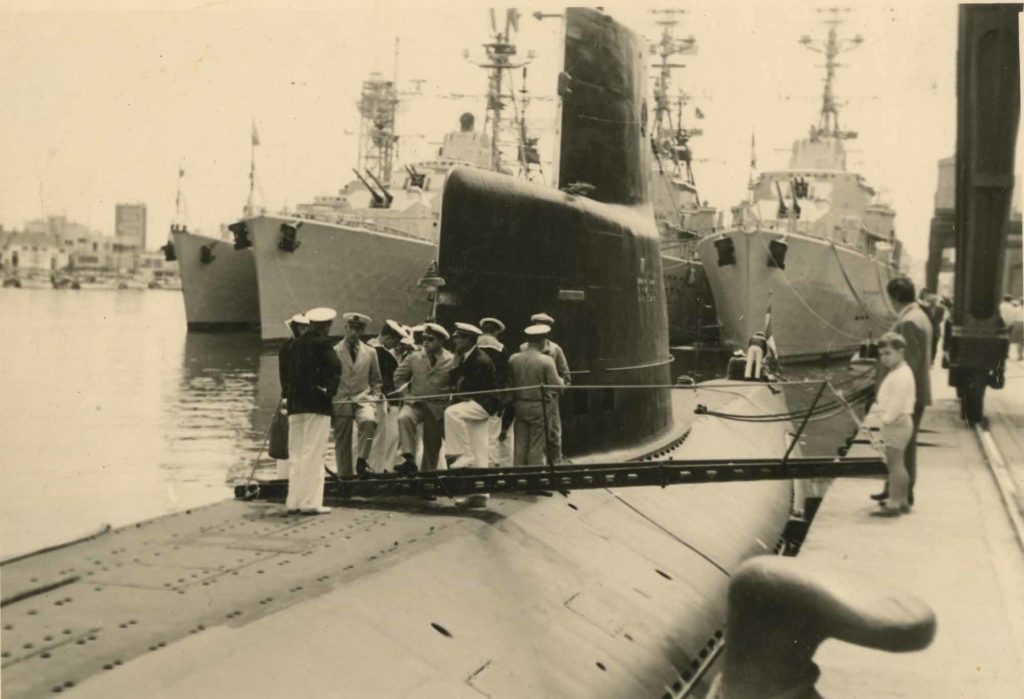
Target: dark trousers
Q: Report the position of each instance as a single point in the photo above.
(910, 455)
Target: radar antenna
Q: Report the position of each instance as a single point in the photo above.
(828, 122)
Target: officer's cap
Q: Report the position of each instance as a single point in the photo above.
(500, 327)
(542, 318)
(435, 330)
(299, 319)
(538, 330)
(418, 328)
(321, 315)
(468, 330)
(356, 319)
(394, 328)
(407, 340)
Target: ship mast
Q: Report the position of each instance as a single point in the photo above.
(828, 122)
(378, 103)
(499, 61)
(670, 140)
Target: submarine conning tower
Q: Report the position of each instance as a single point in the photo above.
(586, 253)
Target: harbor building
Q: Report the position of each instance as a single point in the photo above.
(25, 252)
(942, 238)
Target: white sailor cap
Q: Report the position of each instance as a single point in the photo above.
(435, 330)
(537, 330)
(321, 315)
(395, 328)
(493, 321)
(356, 319)
(468, 330)
(299, 318)
(542, 318)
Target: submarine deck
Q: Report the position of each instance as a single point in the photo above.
(130, 596)
(958, 551)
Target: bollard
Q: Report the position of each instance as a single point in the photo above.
(782, 609)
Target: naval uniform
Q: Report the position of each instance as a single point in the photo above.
(499, 452)
(354, 403)
(282, 374)
(313, 375)
(533, 437)
(466, 423)
(425, 376)
(384, 452)
(554, 350)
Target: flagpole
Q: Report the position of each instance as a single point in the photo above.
(252, 170)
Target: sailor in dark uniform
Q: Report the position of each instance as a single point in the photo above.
(314, 372)
(297, 325)
(499, 443)
(384, 452)
(466, 422)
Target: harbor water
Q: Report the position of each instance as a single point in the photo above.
(111, 413)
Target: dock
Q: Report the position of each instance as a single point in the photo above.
(958, 551)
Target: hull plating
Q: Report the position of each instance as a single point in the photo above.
(826, 301)
(219, 294)
(345, 268)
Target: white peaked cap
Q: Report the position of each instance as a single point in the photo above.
(537, 330)
(542, 318)
(321, 315)
(468, 329)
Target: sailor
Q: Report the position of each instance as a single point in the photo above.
(466, 422)
(296, 325)
(553, 350)
(404, 348)
(757, 348)
(499, 446)
(385, 444)
(426, 371)
(356, 401)
(313, 375)
(531, 367)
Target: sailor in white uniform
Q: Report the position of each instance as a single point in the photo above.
(553, 350)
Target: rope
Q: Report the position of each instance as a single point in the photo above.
(849, 283)
(800, 298)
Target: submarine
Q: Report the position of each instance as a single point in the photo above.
(610, 592)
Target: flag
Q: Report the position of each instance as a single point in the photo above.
(181, 172)
(255, 135)
(772, 349)
(512, 18)
(698, 113)
(753, 153)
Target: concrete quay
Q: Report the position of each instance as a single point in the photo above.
(958, 551)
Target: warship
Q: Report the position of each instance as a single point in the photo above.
(683, 216)
(810, 251)
(604, 592)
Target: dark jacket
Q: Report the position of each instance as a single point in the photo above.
(282, 364)
(387, 363)
(314, 371)
(476, 373)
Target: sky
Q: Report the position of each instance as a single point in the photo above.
(104, 101)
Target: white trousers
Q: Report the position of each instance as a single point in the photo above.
(755, 359)
(282, 469)
(499, 453)
(307, 437)
(465, 434)
(384, 452)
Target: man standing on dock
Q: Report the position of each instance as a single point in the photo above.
(916, 328)
(553, 350)
(427, 373)
(313, 375)
(532, 367)
(466, 422)
(355, 403)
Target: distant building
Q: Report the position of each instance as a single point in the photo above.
(31, 253)
(941, 264)
(153, 266)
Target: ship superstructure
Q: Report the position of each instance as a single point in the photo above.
(682, 216)
(813, 244)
